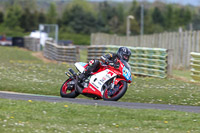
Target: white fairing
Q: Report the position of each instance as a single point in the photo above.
(79, 66)
(99, 79)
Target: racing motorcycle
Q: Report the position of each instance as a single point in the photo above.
(110, 82)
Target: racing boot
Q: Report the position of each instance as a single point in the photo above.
(83, 76)
(92, 65)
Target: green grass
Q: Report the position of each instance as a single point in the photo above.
(83, 55)
(31, 116)
(78, 39)
(21, 72)
(182, 73)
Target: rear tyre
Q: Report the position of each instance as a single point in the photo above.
(66, 92)
(117, 95)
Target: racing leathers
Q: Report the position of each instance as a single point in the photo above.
(94, 65)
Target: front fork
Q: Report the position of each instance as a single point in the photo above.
(113, 83)
(72, 75)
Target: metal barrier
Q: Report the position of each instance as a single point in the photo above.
(32, 44)
(61, 53)
(154, 62)
(195, 66)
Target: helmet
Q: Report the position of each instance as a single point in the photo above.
(124, 53)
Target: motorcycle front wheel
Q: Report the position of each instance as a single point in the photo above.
(66, 92)
(118, 94)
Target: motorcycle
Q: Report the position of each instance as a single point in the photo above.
(109, 83)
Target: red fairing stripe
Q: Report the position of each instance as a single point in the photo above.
(85, 66)
(117, 80)
(92, 90)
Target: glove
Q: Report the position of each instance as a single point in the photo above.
(104, 60)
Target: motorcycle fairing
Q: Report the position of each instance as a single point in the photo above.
(127, 74)
(91, 90)
(98, 80)
(81, 66)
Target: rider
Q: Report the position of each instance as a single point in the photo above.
(123, 53)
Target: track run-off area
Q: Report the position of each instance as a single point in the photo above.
(47, 98)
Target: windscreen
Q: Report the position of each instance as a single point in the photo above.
(126, 65)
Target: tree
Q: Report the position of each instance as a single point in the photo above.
(184, 16)
(106, 11)
(13, 15)
(26, 20)
(29, 21)
(117, 19)
(110, 17)
(41, 18)
(157, 16)
(84, 4)
(52, 14)
(195, 22)
(170, 18)
(134, 7)
(79, 20)
(1, 17)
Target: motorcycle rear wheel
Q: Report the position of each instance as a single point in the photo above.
(66, 93)
(116, 96)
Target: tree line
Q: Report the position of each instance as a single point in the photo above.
(83, 17)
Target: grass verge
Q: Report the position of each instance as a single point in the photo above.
(21, 72)
(32, 116)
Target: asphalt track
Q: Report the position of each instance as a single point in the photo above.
(23, 96)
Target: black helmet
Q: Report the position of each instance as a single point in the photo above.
(124, 53)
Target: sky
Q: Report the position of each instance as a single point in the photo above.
(183, 2)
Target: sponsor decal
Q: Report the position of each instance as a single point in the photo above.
(95, 85)
(103, 79)
(99, 83)
(92, 88)
(91, 62)
(111, 73)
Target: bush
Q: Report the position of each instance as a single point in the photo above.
(77, 39)
(14, 32)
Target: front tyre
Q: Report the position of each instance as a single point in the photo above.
(117, 95)
(66, 92)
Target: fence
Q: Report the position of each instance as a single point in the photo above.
(32, 44)
(61, 53)
(155, 62)
(180, 43)
(195, 66)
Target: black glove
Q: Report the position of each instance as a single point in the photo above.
(107, 61)
(104, 60)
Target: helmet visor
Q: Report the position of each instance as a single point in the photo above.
(126, 57)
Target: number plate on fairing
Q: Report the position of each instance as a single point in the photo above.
(99, 79)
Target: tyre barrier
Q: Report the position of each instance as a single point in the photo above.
(32, 44)
(153, 62)
(195, 66)
(61, 53)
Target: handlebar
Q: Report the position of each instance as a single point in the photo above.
(112, 64)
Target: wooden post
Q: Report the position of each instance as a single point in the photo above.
(188, 49)
(169, 61)
(197, 44)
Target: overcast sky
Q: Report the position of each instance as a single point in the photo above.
(192, 2)
(184, 2)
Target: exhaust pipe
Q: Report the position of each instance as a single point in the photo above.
(72, 72)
